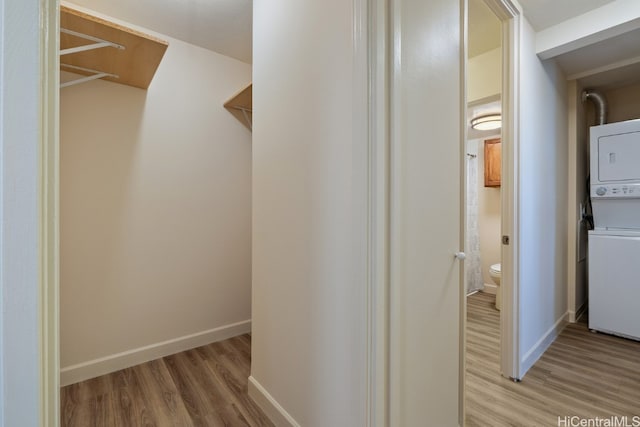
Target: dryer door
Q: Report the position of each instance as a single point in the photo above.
(619, 157)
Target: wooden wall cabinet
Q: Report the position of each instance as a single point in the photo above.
(492, 162)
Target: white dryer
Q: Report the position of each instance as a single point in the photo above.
(614, 244)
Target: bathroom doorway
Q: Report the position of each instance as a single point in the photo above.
(483, 204)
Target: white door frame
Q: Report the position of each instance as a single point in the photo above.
(49, 213)
(372, 19)
(510, 14)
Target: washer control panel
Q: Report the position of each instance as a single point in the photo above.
(616, 191)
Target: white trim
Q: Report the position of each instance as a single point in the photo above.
(543, 343)
(464, 135)
(608, 21)
(49, 214)
(104, 365)
(573, 220)
(510, 14)
(609, 67)
(377, 106)
(2, 238)
(269, 405)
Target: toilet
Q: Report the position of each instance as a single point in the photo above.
(494, 272)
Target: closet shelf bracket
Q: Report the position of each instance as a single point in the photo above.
(96, 75)
(245, 114)
(99, 43)
(241, 106)
(246, 117)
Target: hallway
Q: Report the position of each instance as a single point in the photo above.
(582, 374)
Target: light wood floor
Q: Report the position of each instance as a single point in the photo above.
(582, 374)
(206, 386)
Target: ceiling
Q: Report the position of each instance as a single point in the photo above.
(223, 26)
(484, 26)
(543, 14)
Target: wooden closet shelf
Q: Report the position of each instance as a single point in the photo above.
(241, 100)
(241, 105)
(135, 65)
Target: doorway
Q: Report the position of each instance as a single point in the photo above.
(483, 206)
(444, 254)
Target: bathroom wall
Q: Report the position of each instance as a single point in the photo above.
(155, 214)
(484, 76)
(489, 206)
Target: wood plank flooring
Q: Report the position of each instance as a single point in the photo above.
(582, 374)
(206, 386)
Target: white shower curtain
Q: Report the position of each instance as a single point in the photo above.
(473, 267)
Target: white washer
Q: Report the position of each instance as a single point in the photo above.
(614, 282)
(614, 245)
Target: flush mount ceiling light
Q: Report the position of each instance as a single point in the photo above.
(487, 122)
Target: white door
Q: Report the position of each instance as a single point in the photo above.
(426, 194)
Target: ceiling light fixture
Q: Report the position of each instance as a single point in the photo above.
(487, 122)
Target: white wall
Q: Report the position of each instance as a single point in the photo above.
(484, 75)
(20, 401)
(623, 102)
(308, 339)
(155, 213)
(543, 201)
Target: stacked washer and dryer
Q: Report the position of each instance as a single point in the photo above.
(614, 243)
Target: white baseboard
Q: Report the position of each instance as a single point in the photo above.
(490, 288)
(269, 405)
(105, 365)
(543, 344)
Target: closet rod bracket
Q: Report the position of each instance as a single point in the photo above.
(99, 43)
(96, 75)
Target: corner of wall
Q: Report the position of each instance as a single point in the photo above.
(272, 409)
(112, 363)
(538, 349)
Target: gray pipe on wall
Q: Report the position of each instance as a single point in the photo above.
(599, 101)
